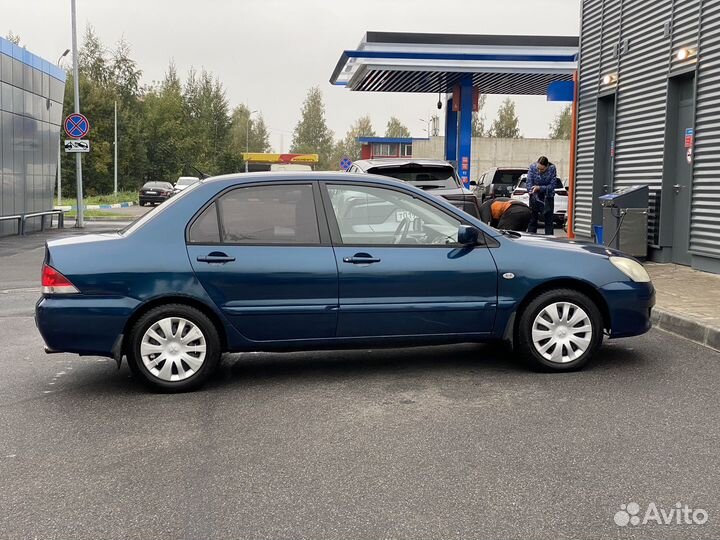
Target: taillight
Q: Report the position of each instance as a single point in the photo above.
(561, 192)
(53, 282)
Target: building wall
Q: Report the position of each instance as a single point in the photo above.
(491, 152)
(31, 96)
(636, 41)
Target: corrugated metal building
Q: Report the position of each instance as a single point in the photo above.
(31, 97)
(649, 113)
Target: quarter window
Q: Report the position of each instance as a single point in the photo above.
(378, 216)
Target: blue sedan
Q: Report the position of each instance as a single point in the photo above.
(283, 261)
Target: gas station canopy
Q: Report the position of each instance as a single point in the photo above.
(460, 67)
(435, 63)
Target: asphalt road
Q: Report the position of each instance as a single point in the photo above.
(445, 442)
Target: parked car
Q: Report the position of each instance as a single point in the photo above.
(155, 193)
(497, 182)
(434, 176)
(561, 198)
(183, 182)
(281, 261)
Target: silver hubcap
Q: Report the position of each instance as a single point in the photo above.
(173, 349)
(562, 332)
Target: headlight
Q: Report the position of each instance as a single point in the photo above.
(632, 269)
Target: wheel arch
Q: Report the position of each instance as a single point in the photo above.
(578, 285)
(174, 299)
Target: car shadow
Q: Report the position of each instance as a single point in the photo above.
(252, 369)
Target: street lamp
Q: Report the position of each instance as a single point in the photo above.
(428, 121)
(247, 138)
(59, 166)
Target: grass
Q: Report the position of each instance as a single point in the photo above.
(121, 197)
(95, 214)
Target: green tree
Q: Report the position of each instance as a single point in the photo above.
(311, 135)
(395, 128)
(561, 127)
(349, 146)
(166, 130)
(506, 125)
(478, 118)
(247, 134)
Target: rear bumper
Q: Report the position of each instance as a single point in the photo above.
(152, 198)
(87, 326)
(630, 305)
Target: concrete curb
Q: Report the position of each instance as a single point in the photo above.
(690, 329)
(98, 206)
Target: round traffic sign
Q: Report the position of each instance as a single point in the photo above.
(345, 163)
(76, 126)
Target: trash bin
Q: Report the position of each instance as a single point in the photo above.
(598, 230)
(625, 219)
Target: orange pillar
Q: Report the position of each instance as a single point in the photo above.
(573, 148)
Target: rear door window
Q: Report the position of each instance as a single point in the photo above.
(278, 214)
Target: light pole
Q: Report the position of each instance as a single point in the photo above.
(428, 124)
(59, 164)
(116, 150)
(247, 138)
(80, 222)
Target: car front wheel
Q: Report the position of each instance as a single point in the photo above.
(174, 348)
(560, 330)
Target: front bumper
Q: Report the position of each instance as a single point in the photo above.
(629, 305)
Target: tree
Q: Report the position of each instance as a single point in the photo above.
(478, 118)
(349, 146)
(311, 135)
(562, 125)
(395, 128)
(506, 125)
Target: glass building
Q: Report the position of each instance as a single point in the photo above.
(31, 98)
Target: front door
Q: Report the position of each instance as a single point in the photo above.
(401, 270)
(682, 181)
(258, 253)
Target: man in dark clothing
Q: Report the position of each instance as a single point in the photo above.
(505, 213)
(541, 181)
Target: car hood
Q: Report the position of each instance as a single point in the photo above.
(564, 244)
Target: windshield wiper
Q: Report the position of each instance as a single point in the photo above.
(512, 234)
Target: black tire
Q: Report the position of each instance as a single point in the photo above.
(196, 317)
(527, 349)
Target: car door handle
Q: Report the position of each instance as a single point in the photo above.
(361, 258)
(216, 257)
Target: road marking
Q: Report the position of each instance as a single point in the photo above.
(20, 290)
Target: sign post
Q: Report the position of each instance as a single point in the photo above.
(80, 222)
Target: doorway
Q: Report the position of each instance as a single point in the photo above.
(604, 153)
(679, 157)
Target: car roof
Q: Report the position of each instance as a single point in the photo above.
(366, 164)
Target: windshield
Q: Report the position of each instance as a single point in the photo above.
(135, 225)
(422, 176)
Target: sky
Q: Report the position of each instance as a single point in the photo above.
(268, 53)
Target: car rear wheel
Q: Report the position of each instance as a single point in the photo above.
(560, 330)
(174, 348)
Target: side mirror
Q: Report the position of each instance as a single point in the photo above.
(468, 235)
(473, 183)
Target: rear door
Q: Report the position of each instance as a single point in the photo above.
(401, 270)
(265, 259)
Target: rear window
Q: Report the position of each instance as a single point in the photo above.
(157, 185)
(508, 178)
(425, 177)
